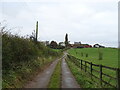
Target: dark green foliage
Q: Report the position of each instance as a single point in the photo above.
(20, 57)
(100, 54)
(16, 49)
(53, 44)
(86, 55)
(60, 47)
(66, 40)
(32, 37)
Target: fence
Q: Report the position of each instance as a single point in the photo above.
(97, 71)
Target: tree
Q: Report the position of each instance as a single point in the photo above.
(66, 40)
(32, 37)
(53, 44)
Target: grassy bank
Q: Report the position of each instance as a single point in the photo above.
(22, 58)
(55, 81)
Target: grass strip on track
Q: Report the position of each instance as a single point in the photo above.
(55, 81)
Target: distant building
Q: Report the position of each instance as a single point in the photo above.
(98, 46)
(87, 46)
(77, 42)
(79, 45)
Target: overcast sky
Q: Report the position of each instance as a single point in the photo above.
(88, 21)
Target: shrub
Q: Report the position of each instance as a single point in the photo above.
(81, 54)
(20, 49)
(100, 55)
(86, 55)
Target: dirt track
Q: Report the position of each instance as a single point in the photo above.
(68, 80)
(42, 79)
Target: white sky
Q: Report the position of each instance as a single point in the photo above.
(88, 21)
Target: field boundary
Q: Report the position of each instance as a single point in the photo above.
(88, 67)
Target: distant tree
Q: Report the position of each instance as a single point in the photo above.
(86, 55)
(32, 37)
(66, 40)
(61, 45)
(53, 44)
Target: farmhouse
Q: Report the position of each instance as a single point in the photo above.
(80, 45)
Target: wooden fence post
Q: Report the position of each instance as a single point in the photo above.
(101, 75)
(118, 79)
(91, 69)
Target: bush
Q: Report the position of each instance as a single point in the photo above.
(20, 49)
(16, 49)
(86, 55)
(21, 58)
(100, 55)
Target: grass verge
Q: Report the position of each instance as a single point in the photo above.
(55, 81)
(81, 77)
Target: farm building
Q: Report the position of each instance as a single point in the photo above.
(98, 46)
(79, 45)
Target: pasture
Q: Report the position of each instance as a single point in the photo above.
(109, 58)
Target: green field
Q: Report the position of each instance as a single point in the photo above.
(110, 55)
(109, 58)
